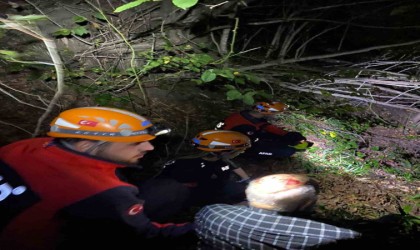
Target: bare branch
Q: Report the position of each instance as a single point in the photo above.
(12, 125)
(52, 50)
(20, 101)
(317, 57)
(292, 86)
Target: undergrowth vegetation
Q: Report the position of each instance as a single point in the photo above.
(341, 145)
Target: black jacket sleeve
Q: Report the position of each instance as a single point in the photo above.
(116, 215)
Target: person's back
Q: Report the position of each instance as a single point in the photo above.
(186, 170)
(268, 140)
(210, 175)
(269, 222)
(55, 179)
(63, 193)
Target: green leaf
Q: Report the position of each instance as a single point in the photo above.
(129, 5)
(196, 70)
(253, 78)
(61, 32)
(352, 144)
(79, 19)
(184, 4)
(154, 64)
(248, 98)
(197, 81)
(80, 31)
(183, 60)
(226, 73)
(229, 87)
(407, 209)
(202, 58)
(151, 65)
(415, 197)
(208, 76)
(233, 95)
(360, 154)
(100, 16)
(239, 80)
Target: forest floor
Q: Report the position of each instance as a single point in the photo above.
(381, 205)
(373, 204)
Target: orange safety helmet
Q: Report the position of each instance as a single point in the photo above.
(102, 124)
(221, 140)
(269, 108)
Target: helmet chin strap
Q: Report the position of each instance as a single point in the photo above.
(68, 145)
(213, 156)
(95, 146)
(227, 156)
(233, 164)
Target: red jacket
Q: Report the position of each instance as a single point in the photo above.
(41, 182)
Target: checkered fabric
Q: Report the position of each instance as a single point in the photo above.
(222, 226)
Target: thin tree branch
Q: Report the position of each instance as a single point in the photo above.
(52, 50)
(317, 57)
(12, 125)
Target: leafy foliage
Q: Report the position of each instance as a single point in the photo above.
(130, 5)
(78, 30)
(342, 147)
(182, 4)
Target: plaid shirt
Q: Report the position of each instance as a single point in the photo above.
(221, 226)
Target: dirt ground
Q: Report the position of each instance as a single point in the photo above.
(370, 204)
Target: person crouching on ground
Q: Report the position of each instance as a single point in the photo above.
(268, 140)
(63, 193)
(211, 176)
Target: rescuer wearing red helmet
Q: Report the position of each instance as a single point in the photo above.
(53, 187)
(268, 140)
(209, 174)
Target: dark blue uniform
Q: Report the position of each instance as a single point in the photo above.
(209, 181)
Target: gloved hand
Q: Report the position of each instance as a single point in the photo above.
(302, 145)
